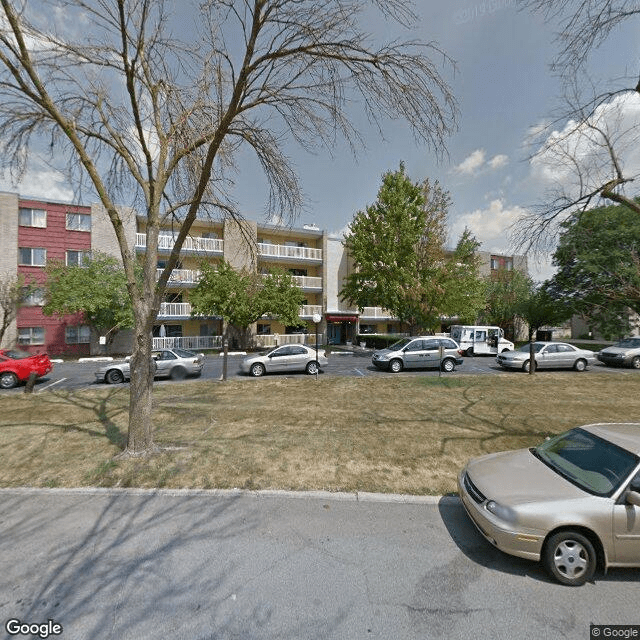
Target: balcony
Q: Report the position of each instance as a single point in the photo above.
(376, 313)
(289, 254)
(174, 310)
(208, 246)
(181, 277)
(308, 310)
(308, 283)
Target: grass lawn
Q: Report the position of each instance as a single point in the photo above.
(401, 434)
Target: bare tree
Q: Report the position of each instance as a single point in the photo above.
(134, 108)
(12, 293)
(588, 143)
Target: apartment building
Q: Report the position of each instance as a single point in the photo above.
(35, 232)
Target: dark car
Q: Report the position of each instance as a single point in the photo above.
(16, 366)
(419, 352)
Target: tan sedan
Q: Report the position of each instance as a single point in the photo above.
(572, 502)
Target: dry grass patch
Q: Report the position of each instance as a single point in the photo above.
(403, 434)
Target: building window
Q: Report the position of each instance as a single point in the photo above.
(264, 329)
(32, 297)
(77, 335)
(31, 335)
(78, 222)
(32, 218)
(78, 258)
(501, 262)
(32, 257)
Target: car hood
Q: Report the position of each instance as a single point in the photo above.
(622, 350)
(514, 355)
(518, 477)
(383, 352)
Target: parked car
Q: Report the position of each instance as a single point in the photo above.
(419, 352)
(174, 363)
(571, 502)
(16, 366)
(548, 355)
(288, 357)
(625, 353)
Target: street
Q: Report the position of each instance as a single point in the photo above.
(79, 375)
(200, 565)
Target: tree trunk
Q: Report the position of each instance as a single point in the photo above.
(140, 437)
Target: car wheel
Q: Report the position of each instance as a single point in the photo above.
(448, 365)
(8, 380)
(635, 363)
(312, 368)
(526, 365)
(570, 558)
(469, 352)
(395, 366)
(505, 350)
(178, 373)
(580, 365)
(257, 369)
(114, 377)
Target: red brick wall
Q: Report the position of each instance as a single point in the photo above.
(56, 239)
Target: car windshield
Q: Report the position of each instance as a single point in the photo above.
(536, 347)
(396, 346)
(16, 354)
(588, 461)
(183, 353)
(629, 342)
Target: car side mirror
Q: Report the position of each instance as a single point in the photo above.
(633, 497)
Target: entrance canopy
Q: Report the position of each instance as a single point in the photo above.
(332, 317)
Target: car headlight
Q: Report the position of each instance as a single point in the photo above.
(501, 511)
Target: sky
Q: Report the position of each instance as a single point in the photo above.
(504, 90)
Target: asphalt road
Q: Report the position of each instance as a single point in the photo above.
(135, 565)
(78, 375)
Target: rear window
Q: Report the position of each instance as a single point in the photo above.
(16, 354)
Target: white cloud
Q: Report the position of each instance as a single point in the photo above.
(471, 163)
(498, 161)
(44, 184)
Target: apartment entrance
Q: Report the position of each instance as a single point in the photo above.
(341, 329)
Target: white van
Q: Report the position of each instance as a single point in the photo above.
(480, 339)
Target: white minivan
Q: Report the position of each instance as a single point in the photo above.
(480, 339)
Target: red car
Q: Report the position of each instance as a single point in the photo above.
(16, 366)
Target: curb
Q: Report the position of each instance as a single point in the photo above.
(336, 496)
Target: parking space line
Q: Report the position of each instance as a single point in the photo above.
(360, 372)
(52, 384)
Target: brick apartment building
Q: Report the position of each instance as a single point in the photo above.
(35, 232)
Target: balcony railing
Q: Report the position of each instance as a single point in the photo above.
(275, 339)
(175, 310)
(377, 313)
(308, 282)
(307, 310)
(199, 245)
(288, 252)
(181, 276)
(194, 343)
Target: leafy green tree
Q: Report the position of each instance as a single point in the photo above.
(598, 260)
(401, 262)
(97, 288)
(504, 293)
(242, 297)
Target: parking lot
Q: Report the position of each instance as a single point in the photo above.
(356, 362)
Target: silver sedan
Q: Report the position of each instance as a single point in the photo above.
(169, 363)
(288, 357)
(548, 355)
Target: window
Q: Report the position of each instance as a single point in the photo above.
(77, 335)
(32, 257)
(32, 218)
(31, 335)
(264, 329)
(32, 297)
(78, 258)
(78, 222)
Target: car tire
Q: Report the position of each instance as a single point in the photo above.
(448, 365)
(395, 366)
(526, 365)
(8, 380)
(635, 362)
(580, 365)
(114, 376)
(569, 558)
(257, 369)
(178, 373)
(312, 368)
(505, 350)
(469, 352)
